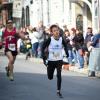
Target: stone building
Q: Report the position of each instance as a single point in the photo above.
(74, 13)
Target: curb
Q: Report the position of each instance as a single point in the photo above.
(65, 67)
(76, 69)
(72, 68)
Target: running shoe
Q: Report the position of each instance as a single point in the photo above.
(59, 94)
(11, 77)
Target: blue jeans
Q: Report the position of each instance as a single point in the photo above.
(35, 49)
(94, 60)
(40, 49)
(72, 55)
(80, 59)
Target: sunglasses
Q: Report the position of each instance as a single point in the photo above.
(55, 30)
(9, 22)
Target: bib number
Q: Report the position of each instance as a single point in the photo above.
(11, 47)
(55, 55)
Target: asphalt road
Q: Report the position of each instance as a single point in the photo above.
(31, 83)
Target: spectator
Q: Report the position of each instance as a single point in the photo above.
(34, 36)
(79, 42)
(87, 39)
(94, 60)
(69, 46)
(40, 30)
(72, 55)
(28, 46)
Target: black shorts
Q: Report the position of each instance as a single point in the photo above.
(55, 64)
(14, 53)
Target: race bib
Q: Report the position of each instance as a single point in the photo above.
(11, 47)
(55, 55)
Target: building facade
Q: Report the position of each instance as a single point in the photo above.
(96, 15)
(74, 13)
(5, 10)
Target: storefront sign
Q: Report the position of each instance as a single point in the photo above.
(17, 8)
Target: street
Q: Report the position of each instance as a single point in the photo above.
(31, 83)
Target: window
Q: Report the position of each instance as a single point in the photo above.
(23, 17)
(27, 16)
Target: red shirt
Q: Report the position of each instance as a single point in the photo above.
(10, 39)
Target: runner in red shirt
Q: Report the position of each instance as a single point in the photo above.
(10, 37)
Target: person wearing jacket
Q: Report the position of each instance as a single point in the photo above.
(94, 59)
(87, 39)
(54, 46)
(79, 42)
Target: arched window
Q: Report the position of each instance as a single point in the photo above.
(27, 16)
(79, 22)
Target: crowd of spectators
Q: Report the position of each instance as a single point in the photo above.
(78, 45)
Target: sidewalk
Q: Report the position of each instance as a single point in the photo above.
(81, 71)
(40, 61)
(72, 68)
(76, 69)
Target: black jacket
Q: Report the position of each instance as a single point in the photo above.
(79, 41)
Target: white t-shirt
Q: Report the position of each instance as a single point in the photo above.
(34, 37)
(55, 50)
